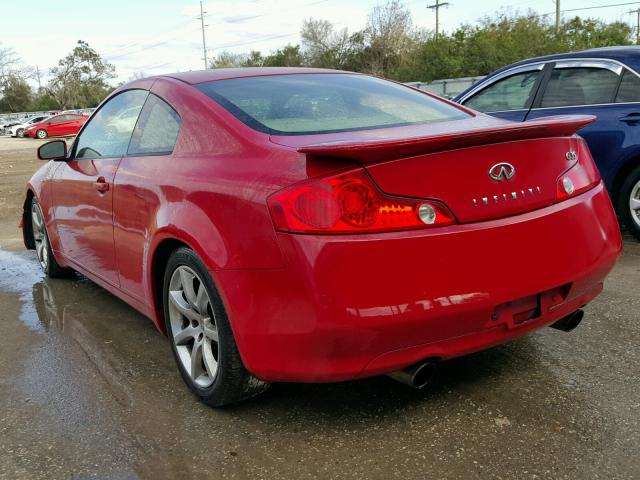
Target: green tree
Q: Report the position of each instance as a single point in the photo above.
(42, 101)
(254, 59)
(392, 47)
(227, 59)
(289, 56)
(81, 78)
(16, 94)
(579, 34)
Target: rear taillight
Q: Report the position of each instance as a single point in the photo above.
(351, 203)
(581, 176)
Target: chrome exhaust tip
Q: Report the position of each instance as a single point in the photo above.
(416, 376)
(569, 322)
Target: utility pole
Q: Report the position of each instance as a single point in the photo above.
(637, 12)
(557, 17)
(436, 6)
(38, 77)
(204, 41)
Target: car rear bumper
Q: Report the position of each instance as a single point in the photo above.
(351, 306)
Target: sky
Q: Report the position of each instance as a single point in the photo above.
(151, 37)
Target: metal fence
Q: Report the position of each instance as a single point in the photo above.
(448, 87)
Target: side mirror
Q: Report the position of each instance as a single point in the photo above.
(54, 150)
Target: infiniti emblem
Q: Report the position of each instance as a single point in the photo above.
(502, 171)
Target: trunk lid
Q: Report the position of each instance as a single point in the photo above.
(480, 172)
(527, 172)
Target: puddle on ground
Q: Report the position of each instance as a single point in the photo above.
(88, 387)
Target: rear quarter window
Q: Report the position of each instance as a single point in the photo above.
(157, 129)
(629, 90)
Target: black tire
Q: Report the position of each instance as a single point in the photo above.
(231, 382)
(630, 188)
(40, 240)
(41, 134)
(20, 133)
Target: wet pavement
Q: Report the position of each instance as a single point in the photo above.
(88, 389)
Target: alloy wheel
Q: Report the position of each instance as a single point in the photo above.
(39, 235)
(41, 134)
(193, 326)
(634, 203)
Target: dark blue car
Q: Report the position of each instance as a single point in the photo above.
(604, 82)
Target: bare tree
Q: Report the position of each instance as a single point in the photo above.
(389, 34)
(9, 62)
(137, 75)
(322, 45)
(15, 91)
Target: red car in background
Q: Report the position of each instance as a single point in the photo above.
(57, 126)
(314, 226)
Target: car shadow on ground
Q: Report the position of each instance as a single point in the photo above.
(81, 310)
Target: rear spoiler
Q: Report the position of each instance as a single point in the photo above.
(366, 152)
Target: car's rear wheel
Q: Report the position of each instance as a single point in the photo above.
(200, 334)
(41, 243)
(41, 133)
(20, 133)
(629, 202)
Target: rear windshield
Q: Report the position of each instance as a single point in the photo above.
(305, 104)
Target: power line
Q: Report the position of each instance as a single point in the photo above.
(148, 47)
(257, 40)
(592, 8)
(240, 18)
(637, 12)
(204, 41)
(137, 43)
(437, 6)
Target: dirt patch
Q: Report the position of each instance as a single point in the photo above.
(18, 162)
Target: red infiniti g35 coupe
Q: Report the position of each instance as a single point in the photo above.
(314, 226)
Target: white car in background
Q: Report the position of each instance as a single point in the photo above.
(18, 129)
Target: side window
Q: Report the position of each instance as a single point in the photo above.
(511, 93)
(629, 90)
(58, 119)
(580, 86)
(106, 135)
(157, 129)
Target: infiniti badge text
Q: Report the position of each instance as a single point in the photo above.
(505, 197)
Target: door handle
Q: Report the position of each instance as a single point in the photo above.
(631, 118)
(101, 185)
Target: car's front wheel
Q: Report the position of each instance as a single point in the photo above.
(20, 133)
(200, 334)
(629, 202)
(41, 243)
(41, 133)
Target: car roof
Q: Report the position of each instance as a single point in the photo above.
(201, 76)
(629, 55)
